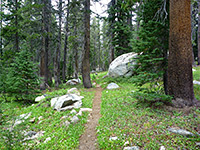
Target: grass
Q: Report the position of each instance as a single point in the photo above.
(62, 137)
(140, 125)
(133, 123)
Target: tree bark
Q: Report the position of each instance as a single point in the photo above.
(85, 61)
(44, 71)
(57, 59)
(180, 79)
(66, 44)
(16, 25)
(198, 33)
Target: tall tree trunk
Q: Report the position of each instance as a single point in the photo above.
(75, 54)
(45, 46)
(1, 40)
(16, 25)
(180, 79)
(198, 33)
(57, 59)
(85, 61)
(66, 43)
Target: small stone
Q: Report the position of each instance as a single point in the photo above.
(40, 118)
(198, 144)
(194, 70)
(131, 148)
(73, 112)
(162, 148)
(64, 117)
(126, 143)
(181, 132)
(74, 119)
(30, 133)
(80, 113)
(112, 86)
(47, 139)
(196, 82)
(73, 91)
(39, 98)
(32, 120)
(86, 109)
(113, 138)
(67, 123)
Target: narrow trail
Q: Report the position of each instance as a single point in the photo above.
(89, 138)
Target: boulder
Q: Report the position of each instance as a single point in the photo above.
(73, 81)
(66, 102)
(112, 86)
(122, 65)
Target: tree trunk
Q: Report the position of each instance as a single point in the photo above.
(57, 59)
(85, 61)
(16, 25)
(45, 46)
(198, 33)
(65, 46)
(180, 79)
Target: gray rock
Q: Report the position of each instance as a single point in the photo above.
(86, 109)
(131, 148)
(73, 91)
(61, 103)
(30, 133)
(194, 69)
(180, 131)
(113, 138)
(35, 136)
(196, 82)
(39, 98)
(73, 112)
(73, 81)
(67, 123)
(21, 118)
(162, 148)
(112, 86)
(47, 139)
(74, 119)
(122, 65)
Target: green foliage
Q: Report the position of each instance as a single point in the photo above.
(22, 80)
(119, 14)
(151, 45)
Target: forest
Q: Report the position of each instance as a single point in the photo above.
(56, 58)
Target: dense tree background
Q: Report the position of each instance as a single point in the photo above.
(63, 41)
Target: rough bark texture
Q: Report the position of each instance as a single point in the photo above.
(66, 44)
(57, 59)
(198, 32)
(16, 25)
(180, 79)
(85, 62)
(45, 46)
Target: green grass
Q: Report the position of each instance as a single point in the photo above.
(62, 137)
(140, 125)
(122, 116)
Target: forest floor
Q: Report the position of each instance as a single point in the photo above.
(88, 141)
(118, 121)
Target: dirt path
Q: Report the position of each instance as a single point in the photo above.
(88, 139)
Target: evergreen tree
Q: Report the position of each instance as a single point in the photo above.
(151, 45)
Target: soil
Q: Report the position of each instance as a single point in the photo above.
(89, 138)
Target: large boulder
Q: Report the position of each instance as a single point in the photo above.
(66, 102)
(122, 65)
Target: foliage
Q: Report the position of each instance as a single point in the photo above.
(22, 81)
(119, 15)
(62, 137)
(151, 45)
(142, 125)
